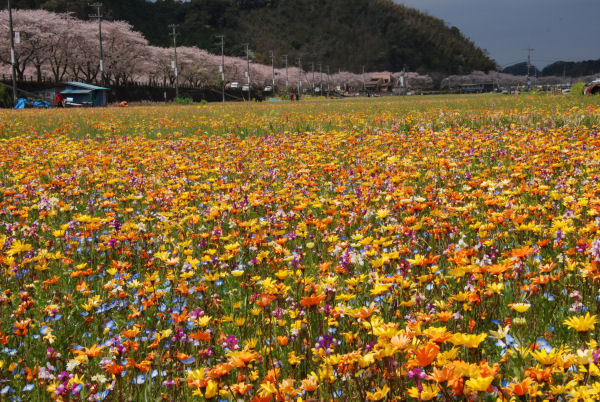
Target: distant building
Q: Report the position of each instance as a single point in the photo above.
(477, 88)
(84, 94)
(380, 82)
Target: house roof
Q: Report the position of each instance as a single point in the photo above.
(88, 87)
(76, 91)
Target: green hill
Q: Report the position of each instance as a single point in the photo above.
(573, 68)
(345, 34)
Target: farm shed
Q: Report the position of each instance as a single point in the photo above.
(84, 94)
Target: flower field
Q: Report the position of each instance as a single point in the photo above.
(387, 249)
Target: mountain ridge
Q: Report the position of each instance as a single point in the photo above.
(343, 34)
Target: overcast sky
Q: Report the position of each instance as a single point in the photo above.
(566, 30)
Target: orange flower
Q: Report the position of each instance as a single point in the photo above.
(220, 370)
(264, 300)
(241, 358)
(131, 333)
(309, 384)
(444, 316)
(94, 351)
(241, 388)
(309, 301)
(143, 366)
(519, 389)
(365, 312)
(31, 372)
(425, 355)
(22, 327)
(114, 368)
(200, 336)
(442, 375)
(283, 340)
(539, 375)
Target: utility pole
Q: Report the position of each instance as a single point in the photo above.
(529, 50)
(248, 67)
(320, 79)
(222, 37)
(403, 83)
(174, 35)
(286, 73)
(98, 15)
(12, 54)
(313, 76)
(328, 79)
(299, 60)
(272, 71)
(363, 77)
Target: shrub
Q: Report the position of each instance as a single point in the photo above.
(577, 89)
(183, 101)
(5, 97)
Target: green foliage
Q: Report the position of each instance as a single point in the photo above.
(346, 34)
(5, 97)
(577, 89)
(183, 101)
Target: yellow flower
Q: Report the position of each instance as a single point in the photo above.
(293, 359)
(380, 288)
(379, 393)
(544, 357)
(520, 307)
(203, 321)
(562, 389)
(582, 323)
(267, 389)
(211, 390)
(429, 392)
(468, 340)
(480, 383)
(495, 287)
(18, 247)
(501, 333)
(383, 213)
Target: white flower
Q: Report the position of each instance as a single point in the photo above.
(72, 364)
(99, 378)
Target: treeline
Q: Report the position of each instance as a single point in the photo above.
(60, 47)
(573, 69)
(343, 34)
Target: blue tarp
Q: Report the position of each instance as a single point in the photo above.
(274, 100)
(23, 103)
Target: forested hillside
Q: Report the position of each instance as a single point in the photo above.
(345, 34)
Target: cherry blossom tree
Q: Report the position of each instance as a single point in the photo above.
(33, 27)
(62, 47)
